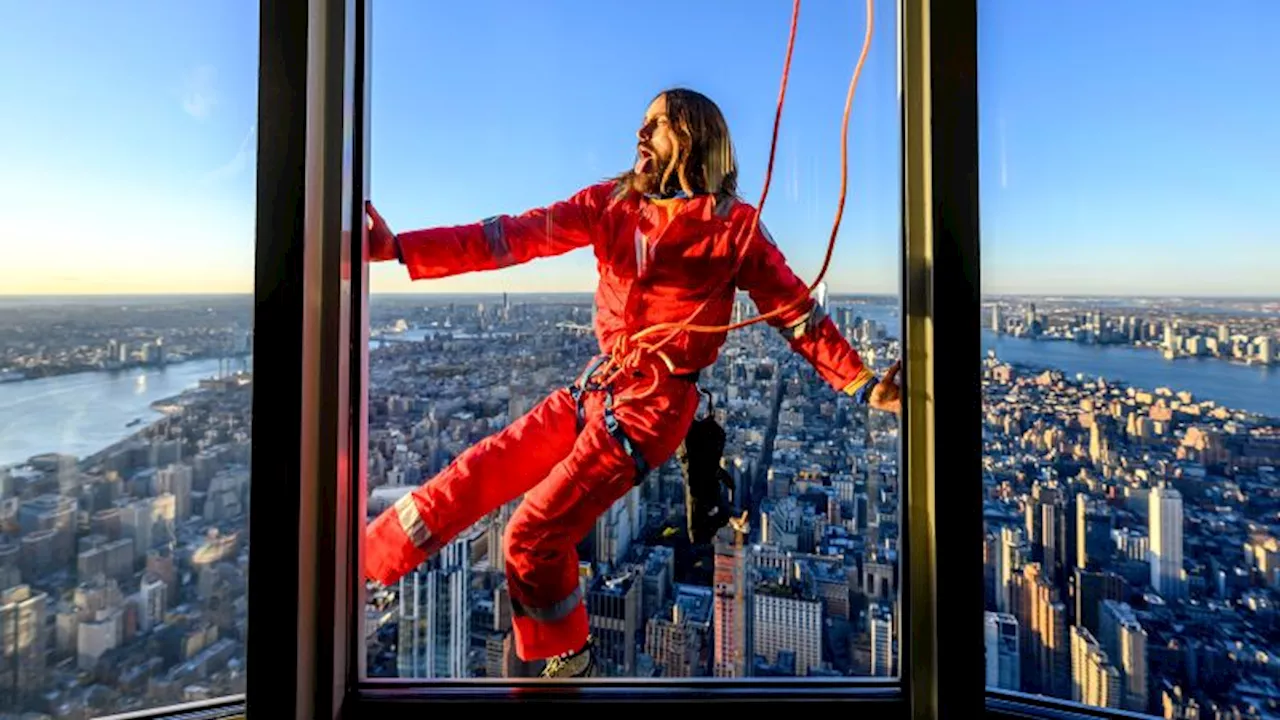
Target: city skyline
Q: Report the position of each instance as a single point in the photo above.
(1094, 188)
(126, 394)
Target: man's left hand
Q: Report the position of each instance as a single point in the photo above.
(887, 395)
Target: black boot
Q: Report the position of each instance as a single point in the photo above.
(706, 509)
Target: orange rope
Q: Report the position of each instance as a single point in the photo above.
(628, 353)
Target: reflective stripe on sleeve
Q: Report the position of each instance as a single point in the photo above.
(496, 236)
(862, 378)
(411, 521)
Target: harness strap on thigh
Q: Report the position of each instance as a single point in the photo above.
(614, 428)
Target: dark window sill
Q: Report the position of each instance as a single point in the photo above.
(216, 709)
(387, 701)
(1003, 704)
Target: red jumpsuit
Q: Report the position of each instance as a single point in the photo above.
(658, 261)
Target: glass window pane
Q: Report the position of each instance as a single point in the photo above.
(1129, 187)
(125, 339)
(500, 531)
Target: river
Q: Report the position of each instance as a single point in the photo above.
(1254, 388)
(83, 413)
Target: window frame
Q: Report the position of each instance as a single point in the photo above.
(311, 308)
(1009, 704)
(941, 295)
(300, 638)
(229, 706)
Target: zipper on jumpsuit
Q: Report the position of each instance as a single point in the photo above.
(645, 247)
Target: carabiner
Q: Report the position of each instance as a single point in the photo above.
(711, 403)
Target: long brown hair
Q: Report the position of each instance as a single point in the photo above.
(704, 161)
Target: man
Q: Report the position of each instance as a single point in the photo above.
(667, 237)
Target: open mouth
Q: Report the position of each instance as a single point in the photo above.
(644, 160)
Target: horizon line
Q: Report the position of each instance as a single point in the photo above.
(403, 293)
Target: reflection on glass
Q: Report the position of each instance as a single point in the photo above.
(489, 579)
(125, 340)
(1132, 406)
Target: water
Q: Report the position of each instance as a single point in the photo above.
(1253, 388)
(1242, 387)
(83, 413)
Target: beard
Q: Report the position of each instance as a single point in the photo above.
(646, 174)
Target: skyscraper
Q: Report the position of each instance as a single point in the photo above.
(22, 658)
(884, 651)
(731, 620)
(1125, 641)
(435, 615)
(1093, 533)
(1088, 589)
(614, 608)
(1001, 644)
(1043, 622)
(1013, 554)
(1164, 520)
(785, 621)
(1094, 680)
(679, 640)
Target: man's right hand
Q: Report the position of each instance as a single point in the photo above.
(887, 394)
(382, 242)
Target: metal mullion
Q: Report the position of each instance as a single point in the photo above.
(942, 412)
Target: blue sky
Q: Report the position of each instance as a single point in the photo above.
(1126, 147)
(127, 146)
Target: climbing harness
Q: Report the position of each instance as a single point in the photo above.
(586, 383)
(583, 384)
(711, 402)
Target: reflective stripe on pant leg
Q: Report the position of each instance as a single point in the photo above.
(541, 539)
(536, 640)
(554, 612)
(542, 536)
(496, 470)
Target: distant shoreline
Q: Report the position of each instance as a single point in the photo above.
(1071, 377)
(45, 374)
(1131, 346)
